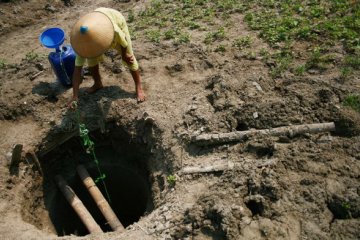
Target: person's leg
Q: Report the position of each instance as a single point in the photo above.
(140, 95)
(94, 70)
(133, 64)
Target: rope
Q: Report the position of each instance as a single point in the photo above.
(68, 80)
(89, 146)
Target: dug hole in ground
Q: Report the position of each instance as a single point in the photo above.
(161, 183)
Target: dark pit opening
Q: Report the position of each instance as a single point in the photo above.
(241, 126)
(261, 149)
(128, 191)
(256, 208)
(123, 161)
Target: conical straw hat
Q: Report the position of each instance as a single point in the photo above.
(92, 35)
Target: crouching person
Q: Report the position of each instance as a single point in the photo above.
(91, 36)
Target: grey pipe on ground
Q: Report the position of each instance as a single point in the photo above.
(292, 130)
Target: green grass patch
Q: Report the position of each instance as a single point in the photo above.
(221, 48)
(33, 56)
(2, 63)
(321, 21)
(282, 60)
(153, 35)
(184, 37)
(320, 59)
(250, 55)
(243, 42)
(171, 34)
(191, 24)
(175, 17)
(345, 72)
(131, 16)
(282, 24)
(353, 61)
(215, 36)
(352, 101)
(300, 70)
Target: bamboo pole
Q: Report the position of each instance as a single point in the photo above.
(210, 139)
(77, 205)
(101, 202)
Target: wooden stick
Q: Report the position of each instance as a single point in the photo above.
(77, 205)
(35, 75)
(16, 155)
(210, 139)
(101, 202)
(36, 161)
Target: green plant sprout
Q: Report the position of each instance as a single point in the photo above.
(184, 38)
(215, 36)
(243, 42)
(2, 63)
(153, 35)
(346, 206)
(131, 16)
(220, 48)
(171, 179)
(300, 70)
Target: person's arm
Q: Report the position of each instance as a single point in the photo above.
(126, 56)
(76, 79)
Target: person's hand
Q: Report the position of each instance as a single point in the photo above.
(128, 58)
(72, 104)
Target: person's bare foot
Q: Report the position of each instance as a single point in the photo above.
(94, 88)
(140, 95)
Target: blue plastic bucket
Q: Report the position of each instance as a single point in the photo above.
(63, 64)
(52, 38)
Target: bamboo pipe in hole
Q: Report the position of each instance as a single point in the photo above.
(101, 202)
(77, 205)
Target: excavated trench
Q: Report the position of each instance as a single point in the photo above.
(127, 183)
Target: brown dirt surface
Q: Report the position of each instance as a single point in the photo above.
(276, 187)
